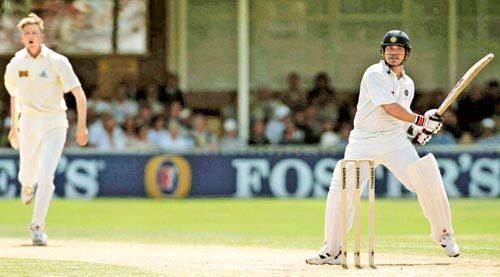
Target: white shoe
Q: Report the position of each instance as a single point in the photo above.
(38, 237)
(323, 257)
(27, 194)
(449, 245)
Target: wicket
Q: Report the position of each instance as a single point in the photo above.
(357, 212)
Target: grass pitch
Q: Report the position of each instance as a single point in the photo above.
(272, 223)
(34, 267)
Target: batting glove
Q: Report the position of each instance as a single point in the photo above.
(423, 137)
(431, 112)
(413, 132)
(417, 134)
(431, 123)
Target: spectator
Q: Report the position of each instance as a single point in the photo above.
(329, 138)
(92, 115)
(451, 123)
(292, 135)
(157, 133)
(489, 136)
(299, 117)
(265, 104)
(346, 110)
(322, 94)
(150, 99)
(313, 122)
(345, 130)
(175, 141)
(423, 100)
(171, 92)
(174, 110)
(122, 105)
(230, 140)
(145, 115)
(258, 137)
(130, 130)
(142, 143)
(109, 137)
(331, 112)
(493, 92)
(276, 127)
(185, 119)
(294, 97)
(474, 107)
(203, 139)
(466, 138)
(443, 137)
(99, 103)
(229, 110)
(96, 127)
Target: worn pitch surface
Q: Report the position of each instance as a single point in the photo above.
(226, 260)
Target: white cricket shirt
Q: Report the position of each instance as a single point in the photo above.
(381, 86)
(39, 83)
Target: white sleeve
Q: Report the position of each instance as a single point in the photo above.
(10, 80)
(412, 96)
(407, 125)
(67, 76)
(379, 91)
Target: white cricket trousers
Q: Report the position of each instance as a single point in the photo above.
(41, 141)
(394, 151)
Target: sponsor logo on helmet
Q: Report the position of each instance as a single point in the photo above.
(394, 39)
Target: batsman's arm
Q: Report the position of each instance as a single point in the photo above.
(81, 107)
(397, 111)
(430, 122)
(416, 134)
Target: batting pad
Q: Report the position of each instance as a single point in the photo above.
(428, 183)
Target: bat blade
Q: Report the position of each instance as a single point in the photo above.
(463, 82)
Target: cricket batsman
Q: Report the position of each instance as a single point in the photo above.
(382, 125)
(36, 79)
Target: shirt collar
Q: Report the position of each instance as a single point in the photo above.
(388, 70)
(43, 53)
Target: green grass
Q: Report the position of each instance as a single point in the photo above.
(33, 267)
(278, 223)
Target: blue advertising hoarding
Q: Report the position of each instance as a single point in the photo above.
(290, 174)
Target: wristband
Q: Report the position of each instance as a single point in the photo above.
(420, 120)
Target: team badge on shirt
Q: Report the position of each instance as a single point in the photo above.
(43, 74)
(23, 73)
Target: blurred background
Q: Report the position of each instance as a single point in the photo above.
(253, 97)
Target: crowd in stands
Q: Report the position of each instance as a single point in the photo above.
(157, 118)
